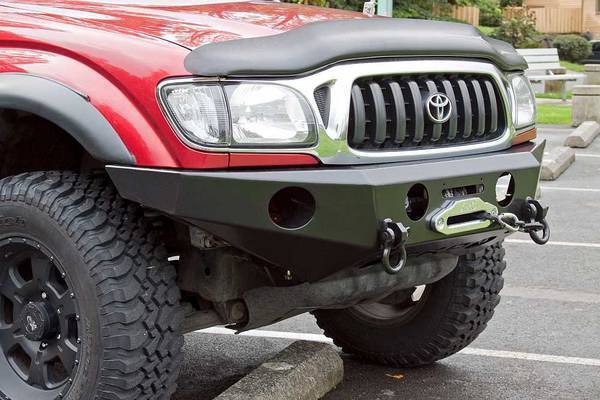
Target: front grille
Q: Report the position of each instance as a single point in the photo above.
(388, 113)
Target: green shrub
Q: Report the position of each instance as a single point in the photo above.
(511, 3)
(572, 48)
(519, 31)
(490, 13)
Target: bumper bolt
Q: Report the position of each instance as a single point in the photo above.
(440, 223)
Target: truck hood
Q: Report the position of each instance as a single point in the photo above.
(188, 23)
(317, 45)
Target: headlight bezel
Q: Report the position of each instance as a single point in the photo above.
(193, 141)
(526, 90)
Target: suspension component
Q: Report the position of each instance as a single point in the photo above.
(393, 237)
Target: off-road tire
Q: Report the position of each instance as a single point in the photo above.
(129, 305)
(455, 312)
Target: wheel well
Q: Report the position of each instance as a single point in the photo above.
(30, 143)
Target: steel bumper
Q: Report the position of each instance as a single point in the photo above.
(351, 203)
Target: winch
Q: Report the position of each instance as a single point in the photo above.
(463, 216)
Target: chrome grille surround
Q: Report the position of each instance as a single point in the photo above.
(333, 147)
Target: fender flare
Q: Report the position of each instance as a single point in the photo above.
(68, 109)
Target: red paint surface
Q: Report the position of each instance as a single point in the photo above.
(271, 160)
(117, 54)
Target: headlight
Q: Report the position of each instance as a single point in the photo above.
(240, 114)
(524, 102)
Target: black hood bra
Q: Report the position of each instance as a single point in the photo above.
(320, 44)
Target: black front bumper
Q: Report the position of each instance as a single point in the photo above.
(351, 202)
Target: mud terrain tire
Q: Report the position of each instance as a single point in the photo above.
(128, 314)
(455, 311)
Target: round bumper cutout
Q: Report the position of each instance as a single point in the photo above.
(292, 208)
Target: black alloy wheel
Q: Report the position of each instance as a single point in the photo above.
(39, 326)
(89, 304)
(397, 308)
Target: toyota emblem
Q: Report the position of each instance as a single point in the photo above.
(439, 108)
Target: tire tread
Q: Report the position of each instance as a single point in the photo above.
(476, 287)
(139, 305)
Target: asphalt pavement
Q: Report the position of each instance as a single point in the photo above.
(543, 342)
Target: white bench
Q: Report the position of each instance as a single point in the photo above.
(542, 66)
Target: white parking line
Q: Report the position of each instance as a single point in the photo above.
(311, 337)
(531, 357)
(468, 351)
(554, 243)
(574, 296)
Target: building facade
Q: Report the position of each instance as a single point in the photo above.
(566, 16)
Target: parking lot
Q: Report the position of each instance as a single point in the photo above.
(542, 343)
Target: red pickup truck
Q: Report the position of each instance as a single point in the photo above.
(167, 166)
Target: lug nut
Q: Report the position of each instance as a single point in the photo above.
(44, 295)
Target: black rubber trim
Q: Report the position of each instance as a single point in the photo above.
(360, 119)
(67, 109)
(453, 122)
(418, 109)
(350, 203)
(380, 113)
(319, 44)
(491, 95)
(399, 106)
(480, 107)
(467, 127)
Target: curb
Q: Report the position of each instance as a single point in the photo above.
(557, 162)
(584, 135)
(302, 371)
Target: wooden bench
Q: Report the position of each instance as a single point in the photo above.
(544, 65)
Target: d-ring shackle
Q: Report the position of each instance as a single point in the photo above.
(393, 239)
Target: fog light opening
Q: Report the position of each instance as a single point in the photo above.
(292, 208)
(505, 189)
(417, 201)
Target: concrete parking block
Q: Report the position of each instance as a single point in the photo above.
(557, 162)
(586, 104)
(584, 135)
(302, 371)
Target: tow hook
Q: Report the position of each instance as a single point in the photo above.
(393, 237)
(534, 223)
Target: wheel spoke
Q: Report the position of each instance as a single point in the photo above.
(67, 353)
(40, 268)
(7, 338)
(10, 285)
(37, 375)
(67, 305)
